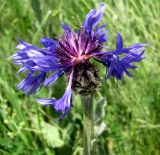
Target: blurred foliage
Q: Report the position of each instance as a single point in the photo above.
(128, 125)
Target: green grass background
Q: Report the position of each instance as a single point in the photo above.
(130, 123)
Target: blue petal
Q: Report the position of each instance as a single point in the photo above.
(34, 59)
(53, 78)
(100, 28)
(22, 44)
(24, 82)
(33, 53)
(122, 66)
(45, 101)
(66, 28)
(103, 37)
(101, 33)
(48, 43)
(30, 84)
(22, 69)
(110, 70)
(37, 83)
(129, 49)
(119, 41)
(116, 65)
(93, 18)
(64, 103)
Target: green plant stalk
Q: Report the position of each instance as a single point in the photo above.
(87, 123)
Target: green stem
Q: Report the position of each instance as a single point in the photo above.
(88, 124)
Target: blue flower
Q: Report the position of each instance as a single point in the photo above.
(117, 65)
(71, 52)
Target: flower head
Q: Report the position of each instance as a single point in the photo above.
(70, 56)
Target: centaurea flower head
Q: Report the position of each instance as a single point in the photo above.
(71, 56)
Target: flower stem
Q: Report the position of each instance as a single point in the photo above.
(88, 124)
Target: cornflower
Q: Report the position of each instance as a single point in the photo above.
(71, 56)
